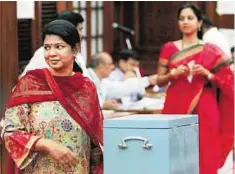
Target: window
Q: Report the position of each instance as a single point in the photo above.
(93, 26)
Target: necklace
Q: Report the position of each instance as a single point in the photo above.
(183, 46)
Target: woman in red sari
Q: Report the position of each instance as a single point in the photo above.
(200, 82)
(53, 122)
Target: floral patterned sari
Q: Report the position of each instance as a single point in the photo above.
(212, 101)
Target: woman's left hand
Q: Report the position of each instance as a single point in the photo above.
(179, 71)
(198, 69)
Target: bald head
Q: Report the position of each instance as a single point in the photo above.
(106, 57)
(99, 58)
(102, 63)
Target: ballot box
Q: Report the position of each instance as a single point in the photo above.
(151, 144)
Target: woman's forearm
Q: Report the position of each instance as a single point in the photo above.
(163, 79)
(42, 145)
(57, 151)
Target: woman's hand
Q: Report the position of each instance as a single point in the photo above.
(179, 71)
(110, 104)
(200, 70)
(58, 152)
(153, 79)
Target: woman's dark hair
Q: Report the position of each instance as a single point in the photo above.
(206, 22)
(66, 30)
(197, 11)
(77, 68)
(74, 18)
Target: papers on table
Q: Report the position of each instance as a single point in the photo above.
(145, 103)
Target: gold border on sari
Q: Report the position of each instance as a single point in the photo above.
(181, 55)
(194, 102)
(221, 62)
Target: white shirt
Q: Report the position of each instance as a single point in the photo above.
(118, 75)
(107, 89)
(38, 62)
(214, 36)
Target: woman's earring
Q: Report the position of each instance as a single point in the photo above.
(199, 28)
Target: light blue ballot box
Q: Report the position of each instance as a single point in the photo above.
(151, 144)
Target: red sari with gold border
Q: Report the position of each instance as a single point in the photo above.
(77, 94)
(216, 113)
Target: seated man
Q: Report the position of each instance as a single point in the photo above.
(127, 61)
(100, 68)
(127, 67)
